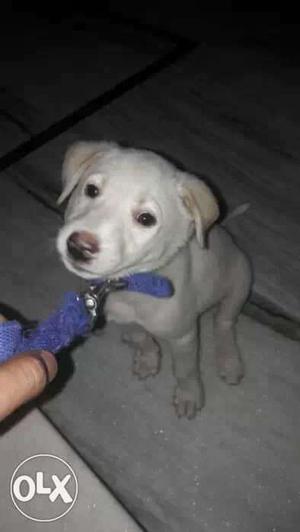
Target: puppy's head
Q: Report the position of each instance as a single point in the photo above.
(129, 210)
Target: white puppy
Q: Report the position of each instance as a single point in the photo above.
(132, 211)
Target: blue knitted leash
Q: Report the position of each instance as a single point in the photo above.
(76, 316)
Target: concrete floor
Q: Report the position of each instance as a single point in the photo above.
(221, 111)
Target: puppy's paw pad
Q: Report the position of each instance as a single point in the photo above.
(231, 370)
(126, 338)
(130, 339)
(188, 399)
(146, 364)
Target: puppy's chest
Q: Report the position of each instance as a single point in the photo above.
(121, 308)
(127, 307)
(149, 312)
(160, 317)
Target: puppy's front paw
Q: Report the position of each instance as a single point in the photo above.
(146, 363)
(188, 398)
(147, 356)
(230, 367)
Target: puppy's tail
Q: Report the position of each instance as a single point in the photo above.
(240, 209)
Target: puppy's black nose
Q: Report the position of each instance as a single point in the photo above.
(82, 245)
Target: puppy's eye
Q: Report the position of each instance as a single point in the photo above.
(92, 191)
(146, 218)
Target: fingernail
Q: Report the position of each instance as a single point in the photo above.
(49, 363)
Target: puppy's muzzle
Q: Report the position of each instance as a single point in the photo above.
(82, 246)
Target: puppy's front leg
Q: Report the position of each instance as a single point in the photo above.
(189, 393)
(147, 356)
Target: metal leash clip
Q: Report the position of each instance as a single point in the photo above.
(96, 295)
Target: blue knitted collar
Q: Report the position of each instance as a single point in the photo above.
(148, 283)
(145, 283)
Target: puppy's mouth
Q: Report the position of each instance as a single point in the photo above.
(80, 268)
(85, 266)
(76, 266)
(83, 269)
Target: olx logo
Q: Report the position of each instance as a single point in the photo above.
(44, 487)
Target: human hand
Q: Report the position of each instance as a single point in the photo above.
(23, 378)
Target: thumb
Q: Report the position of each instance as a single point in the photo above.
(23, 377)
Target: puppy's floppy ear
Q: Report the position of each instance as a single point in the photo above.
(199, 202)
(77, 158)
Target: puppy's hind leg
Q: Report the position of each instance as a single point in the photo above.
(147, 355)
(229, 363)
